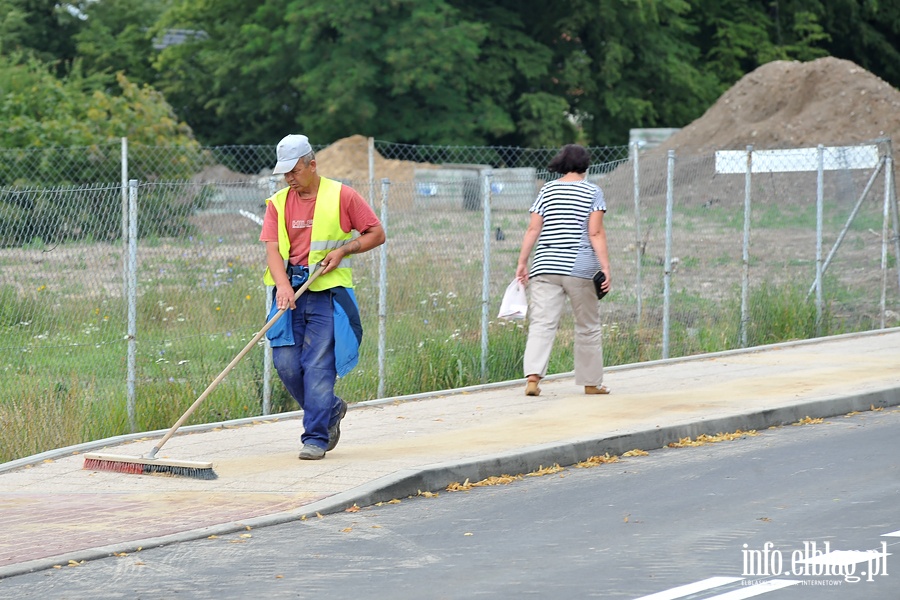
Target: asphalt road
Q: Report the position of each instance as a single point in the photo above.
(700, 517)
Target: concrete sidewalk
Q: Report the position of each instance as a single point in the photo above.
(52, 511)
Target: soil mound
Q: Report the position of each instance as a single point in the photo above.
(221, 173)
(348, 159)
(790, 104)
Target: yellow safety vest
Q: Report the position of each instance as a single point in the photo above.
(326, 235)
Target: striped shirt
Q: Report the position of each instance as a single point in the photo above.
(563, 247)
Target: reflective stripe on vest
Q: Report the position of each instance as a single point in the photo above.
(326, 235)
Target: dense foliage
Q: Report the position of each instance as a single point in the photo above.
(507, 72)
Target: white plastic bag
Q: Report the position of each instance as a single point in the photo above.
(514, 304)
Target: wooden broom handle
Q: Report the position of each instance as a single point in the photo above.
(152, 454)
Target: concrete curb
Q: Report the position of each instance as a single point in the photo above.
(410, 482)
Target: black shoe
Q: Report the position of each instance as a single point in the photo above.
(334, 432)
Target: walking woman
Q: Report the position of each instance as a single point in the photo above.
(569, 241)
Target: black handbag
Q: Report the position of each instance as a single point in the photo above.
(599, 278)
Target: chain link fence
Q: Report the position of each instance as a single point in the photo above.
(136, 296)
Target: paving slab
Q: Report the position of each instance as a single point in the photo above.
(53, 511)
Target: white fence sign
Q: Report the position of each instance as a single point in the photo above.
(798, 159)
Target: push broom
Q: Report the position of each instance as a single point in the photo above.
(149, 464)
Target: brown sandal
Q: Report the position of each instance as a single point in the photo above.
(593, 389)
(532, 389)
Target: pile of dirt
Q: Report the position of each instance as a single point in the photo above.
(348, 159)
(790, 104)
(220, 173)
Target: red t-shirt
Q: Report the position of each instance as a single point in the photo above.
(356, 214)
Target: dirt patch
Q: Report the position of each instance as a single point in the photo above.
(790, 104)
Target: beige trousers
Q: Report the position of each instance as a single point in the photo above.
(545, 306)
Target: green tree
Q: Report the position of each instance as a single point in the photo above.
(512, 76)
(118, 36)
(231, 82)
(507, 72)
(866, 32)
(409, 70)
(43, 28)
(407, 65)
(808, 37)
(624, 63)
(736, 36)
(13, 24)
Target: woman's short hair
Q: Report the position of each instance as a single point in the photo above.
(571, 158)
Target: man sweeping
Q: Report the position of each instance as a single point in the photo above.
(309, 227)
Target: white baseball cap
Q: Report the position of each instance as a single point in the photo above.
(290, 149)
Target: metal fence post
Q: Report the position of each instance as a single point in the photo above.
(896, 209)
(267, 345)
(382, 291)
(745, 254)
(371, 161)
(132, 301)
(124, 215)
(885, 238)
(670, 201)
(486, 272)
(820, 202)
(638, 242)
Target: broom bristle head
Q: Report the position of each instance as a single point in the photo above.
(139, 466)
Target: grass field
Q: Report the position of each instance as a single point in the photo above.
(58, 397)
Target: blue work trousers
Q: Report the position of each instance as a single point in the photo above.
(307, 368)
